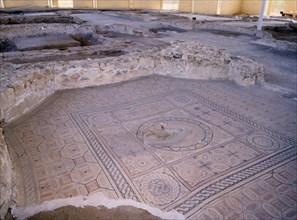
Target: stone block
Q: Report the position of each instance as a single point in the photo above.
(246, 72)
(7, 98)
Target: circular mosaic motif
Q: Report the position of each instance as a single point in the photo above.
(264, 142)
(142, 163)
(175, 134)
(160, 188)
(100, 119)
(137, 164)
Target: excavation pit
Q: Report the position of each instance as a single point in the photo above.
(46, 42)
(285, 33)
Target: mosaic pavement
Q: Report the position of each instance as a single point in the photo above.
(209, 150)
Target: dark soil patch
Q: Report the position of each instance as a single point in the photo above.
(73, 213)
(222, 33)
(7, 45)
(86, 39)
(282, 33)
(290, 95)
(158, 30)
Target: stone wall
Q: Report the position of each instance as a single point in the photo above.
(196, 61)
(7, 178)
(30, 84)
(24, 86)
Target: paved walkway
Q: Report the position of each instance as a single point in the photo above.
(206, 149)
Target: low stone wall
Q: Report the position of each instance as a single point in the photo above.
(24, 86)
(30, 84)
(7, 177)
(196, 61)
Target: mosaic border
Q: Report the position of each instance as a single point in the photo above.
(240, 117)
(113, 170)
(233, 179)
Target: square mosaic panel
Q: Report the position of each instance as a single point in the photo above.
(167, 146)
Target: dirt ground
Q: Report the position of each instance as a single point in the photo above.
(91, 213)
(72, 213)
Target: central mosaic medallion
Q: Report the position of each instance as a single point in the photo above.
(174, 134)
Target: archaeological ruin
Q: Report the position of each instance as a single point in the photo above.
(148, 109)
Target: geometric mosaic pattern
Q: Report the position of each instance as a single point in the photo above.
(271, 196)
(167, 142)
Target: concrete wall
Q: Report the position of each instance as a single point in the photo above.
(82, 4)
(171, 5)
(281, 5)
(24, 3)
(290, 5)
(113, 4)
(205, 6)
(185, 5)
(147, 4)
(65, 4)
(54, 3)
(223, 7)
(229, 7)
(251, 7)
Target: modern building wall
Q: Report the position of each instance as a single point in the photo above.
(275, 6)
(171, 5)
(291, 5)
(205, 6)
(24, 3)
(113, 4)
(82, 3)
(65, 3)
(229, 7)
(147, 4)
(223, 7)
(185, 5)
(251, 7)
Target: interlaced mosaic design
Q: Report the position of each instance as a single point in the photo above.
(153, 140)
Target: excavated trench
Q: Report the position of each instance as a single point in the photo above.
(55, 38)
(66, 38)
(49, 41)
(58, 46)
(285, 33)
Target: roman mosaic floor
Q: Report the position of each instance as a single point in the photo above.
(210, 150)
